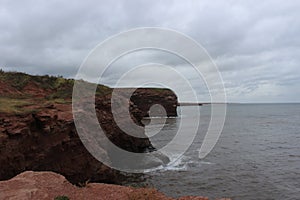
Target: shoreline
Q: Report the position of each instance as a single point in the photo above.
(47, 185)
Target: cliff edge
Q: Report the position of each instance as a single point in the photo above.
(37, 130)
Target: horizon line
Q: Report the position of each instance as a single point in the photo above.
(206, 103)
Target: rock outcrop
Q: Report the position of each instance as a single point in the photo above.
(144, 98)
(48, 186)
(37, 130)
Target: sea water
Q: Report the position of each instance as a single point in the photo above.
(256, 157)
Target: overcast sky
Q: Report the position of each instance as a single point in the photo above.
(255, 44)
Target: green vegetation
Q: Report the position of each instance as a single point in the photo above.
(8, 105)
(20, 90)
(59, 101)
(57, 86)
(18, 80)
(103, 90)
(61, 198)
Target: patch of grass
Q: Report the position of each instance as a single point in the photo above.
(56, 87)
(103, 90)
(60, 101)
(16, 79)
(61, 198)
(8, 105)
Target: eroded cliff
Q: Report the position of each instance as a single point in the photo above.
(37, 130)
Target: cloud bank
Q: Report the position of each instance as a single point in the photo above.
(255, 44)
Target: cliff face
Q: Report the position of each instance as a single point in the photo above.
(37, 130)
(144, 98)
(47, 140)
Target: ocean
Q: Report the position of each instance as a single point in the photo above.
(257, 155)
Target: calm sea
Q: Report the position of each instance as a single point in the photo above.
(256, 157)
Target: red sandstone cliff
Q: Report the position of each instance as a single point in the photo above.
(37, 130)
(144, 98)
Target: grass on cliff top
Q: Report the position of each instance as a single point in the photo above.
(19, 80)
(55, 89)
(57, 86)
(16, 106)
(60, 87)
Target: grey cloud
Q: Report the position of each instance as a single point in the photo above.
(255, 44)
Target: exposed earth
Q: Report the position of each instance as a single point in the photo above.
(49, 185)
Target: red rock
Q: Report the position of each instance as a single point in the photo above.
(48, 185)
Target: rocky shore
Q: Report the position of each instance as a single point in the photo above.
(51, 186)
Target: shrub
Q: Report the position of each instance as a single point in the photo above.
(61, 198)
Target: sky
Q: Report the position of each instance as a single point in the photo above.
(255, 44)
